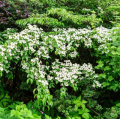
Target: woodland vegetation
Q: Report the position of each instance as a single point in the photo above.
(59, 59)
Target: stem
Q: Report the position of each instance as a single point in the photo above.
(82, 96)
(72, 91)
(93, 111)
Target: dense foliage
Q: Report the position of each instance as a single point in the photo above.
(10, 11)
(59, 59)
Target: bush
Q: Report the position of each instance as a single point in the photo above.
(60, 73)
(34, 59)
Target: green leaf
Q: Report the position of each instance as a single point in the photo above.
(84, 101)
(81, 111)
(114, 38)
(118, 104)
(5, 103)
(86, 110)
(107, 68)
(105, 84)
(102, 76)
(56, 52)
(83, 106)
(47, 117)
(28, 80)
(100, 65)
(76, 101)
(114, 53)
(34, 91)
(44, 101)
(85, 115)
(0, 73)
(31, 81)
(47, 40)
(13, 112)
(110, 78)
(79, 98)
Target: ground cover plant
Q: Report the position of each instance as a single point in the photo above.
(60, 63)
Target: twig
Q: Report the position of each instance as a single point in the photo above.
(93, 111)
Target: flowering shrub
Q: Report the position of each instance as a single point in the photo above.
(62, 64)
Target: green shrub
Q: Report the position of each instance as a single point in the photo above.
(64, 72)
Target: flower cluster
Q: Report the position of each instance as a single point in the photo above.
(43, 82)
(96, 83)
(24, 44)
(69, 74)
(32, 44)
(101, 10)
(86, 9)
(103, 48)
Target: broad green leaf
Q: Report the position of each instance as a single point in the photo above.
(107, 68)
(118, 104)
(34, 91)
(114, 53)
(44, 101)
(100, 65)
(13, 112)
(81, 111)
(79, 98)
(102, 76)
(47, 117)
(83, 106)
(28, 80)
(84, 101)
(5, 103)
(110, 78)
(105, 84)
(31, 81)
(20, 117)
(0, 73)
(56, 52)
(86, 110)
(114, 38)
(85, 115)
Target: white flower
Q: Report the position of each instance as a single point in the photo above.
(44, 82)
(32, 60)
(49, 77)
(66, 84)
(73, 54)
(47, 56)
(62, 52)
(39, 52)
(97, 83)
(36, 74)
(1, 69)
(63, 47)
(32, 49)
(74, 76)
(2, 53)
(10, 37)
(43, 48)
(9, 50)
(24, 66)
(72, 81)
(42, 75)
(86, 9)
(93, 85)
(3, 49)
(55, 29)
(26, 48)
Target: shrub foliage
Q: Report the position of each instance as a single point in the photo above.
(61, 62)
